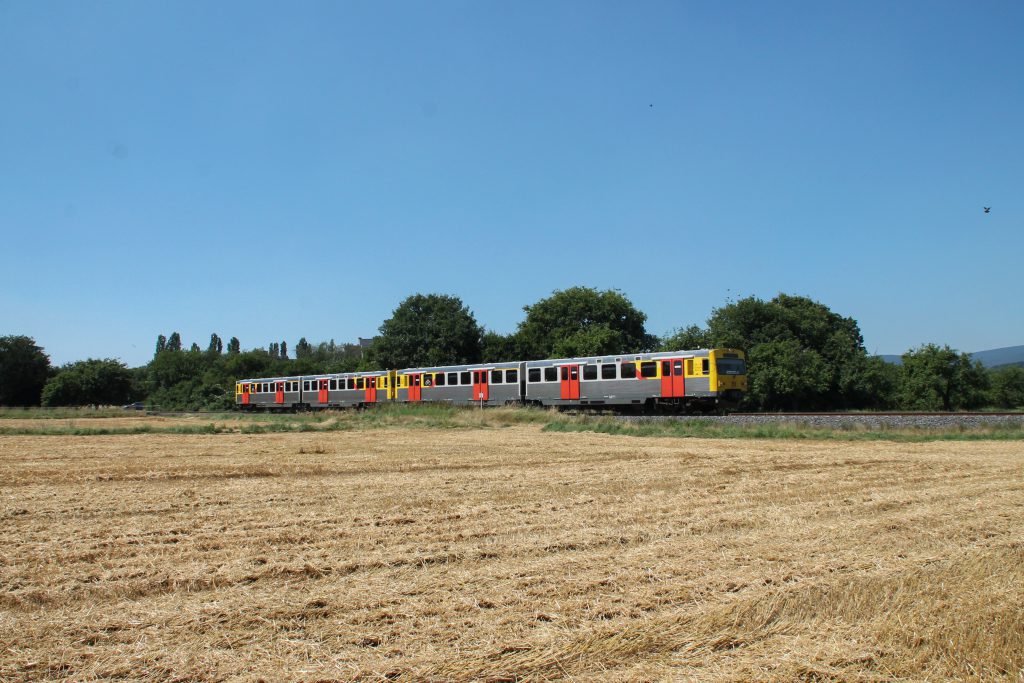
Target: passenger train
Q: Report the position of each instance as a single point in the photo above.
(669, 381)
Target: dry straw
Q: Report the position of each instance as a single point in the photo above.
(508, 554)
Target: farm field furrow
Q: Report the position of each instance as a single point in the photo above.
(507, 554)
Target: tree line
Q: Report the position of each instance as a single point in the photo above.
(801, 356)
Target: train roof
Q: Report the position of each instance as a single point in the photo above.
(620, 358)
(547, 362)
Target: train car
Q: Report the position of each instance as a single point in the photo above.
(486, 384)
(268, 393)
(357, 389)
(671, 381)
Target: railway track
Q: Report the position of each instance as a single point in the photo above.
(894, 420)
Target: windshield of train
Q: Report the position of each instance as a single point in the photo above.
(731, 366)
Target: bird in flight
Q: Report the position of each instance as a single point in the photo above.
(987, 208)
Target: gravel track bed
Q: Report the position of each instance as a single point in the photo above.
(839, 421)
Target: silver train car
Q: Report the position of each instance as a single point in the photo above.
(670, 381)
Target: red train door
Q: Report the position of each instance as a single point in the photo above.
(279, 394)
(323, 392)
(673, 382)
(371, 389)
(245, 394)
(481, 392)
(570, 382)
(414, 387)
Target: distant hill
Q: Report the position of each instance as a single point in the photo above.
(1011, 355)
(993, 358)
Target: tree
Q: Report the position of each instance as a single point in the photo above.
(498, 348)
(1008, 387)
(161, 343)
(829, 344)
(428, 330)
(24, 369)
(937, 378)
(234, 346)
(303, 349)
(174, 342)
(693, 337)
(216, 345)
(194, 348)
(274, 350)
(89, 382)
(788, 376)
(284, 350)
(583, 321)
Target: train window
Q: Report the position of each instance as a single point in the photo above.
(305, 385)
(428, 380)
(677, 368)
(731, 366)
(704, 366)
(565, 373)
(464, 378)
(511, 376)
(440, 379)
(574, 371)
(266, 387)
(453, 379)
(415, 380)
(496, 377)
(533, 375)
(608, 371)
(648, 369)
(360, 383)
(589, 372)
(628, 370)
(334, 384)
(551, 374)
(666, 368)
(351, 382)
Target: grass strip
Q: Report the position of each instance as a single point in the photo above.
(451, 417)
(786, 430)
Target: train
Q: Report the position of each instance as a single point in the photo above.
(704, 380)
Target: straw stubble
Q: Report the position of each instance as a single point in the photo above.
(508, 554)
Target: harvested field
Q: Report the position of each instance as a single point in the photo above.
(506, 554)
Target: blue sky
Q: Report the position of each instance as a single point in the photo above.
(277, 170)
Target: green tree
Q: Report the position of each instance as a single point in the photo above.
(829, 344)
(194, 348)
(582, 321)
(497, 348)
(24, 369)
(426, 330)
(284, 350)
(941, 378)
(788, 377)
(89, 382)
(869, 382)
(688, 339)
(1007, 387)
(216, 345)
(161, 343)
(174, 342)
(303, 349)
(234, 346)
